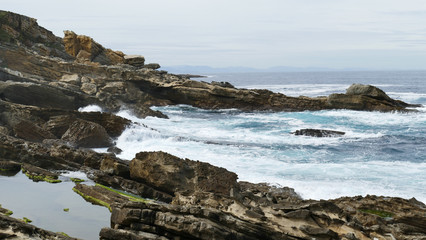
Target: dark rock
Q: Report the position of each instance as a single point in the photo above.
(36, 95)
(9, 165)
(223, 84)
(152, 66)
(83, 133)
(322, 233)
(171, 174)
(367, 90)
(116, 167)
(30, 132)
(318, 133)
(114, 150)
(39, 174)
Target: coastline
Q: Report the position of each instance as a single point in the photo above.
(45, 80)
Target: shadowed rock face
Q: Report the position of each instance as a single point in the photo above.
(44, 79)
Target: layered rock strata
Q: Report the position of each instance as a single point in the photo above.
(45, 79)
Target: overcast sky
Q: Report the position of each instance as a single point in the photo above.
(374, 34)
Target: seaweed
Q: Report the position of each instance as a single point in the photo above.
(92, 199)
(376, 212)
(131, 197)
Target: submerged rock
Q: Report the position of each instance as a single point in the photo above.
(318, 133)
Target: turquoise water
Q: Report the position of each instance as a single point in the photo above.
(381, 153)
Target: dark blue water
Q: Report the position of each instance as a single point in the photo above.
(381, 153)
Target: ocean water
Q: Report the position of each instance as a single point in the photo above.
(381, 153)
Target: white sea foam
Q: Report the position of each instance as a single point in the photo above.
(90, 108)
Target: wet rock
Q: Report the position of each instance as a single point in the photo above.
(82, 133)
(318, 133)
(11, 228)
(39, 174)
(171, 174)
(114, 150)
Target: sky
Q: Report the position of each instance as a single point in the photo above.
(336, 34)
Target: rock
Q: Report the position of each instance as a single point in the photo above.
(367, 90)
(39, 174)
(318, 133)
(321, 233)
(19, 29)
(171, 174)
(183, 222)
(114, 150)
(29, 131)
(134, 60)
(152, 66)
(130, 186)
(85, 48)
(223, 84)
(37, 95)
(71, 79)
(82, 133)
(89, 88)
(115, 167)
(11, 228)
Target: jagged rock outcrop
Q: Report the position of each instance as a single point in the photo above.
(85, 50)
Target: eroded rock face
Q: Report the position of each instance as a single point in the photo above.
(171, 174)
(85, 49)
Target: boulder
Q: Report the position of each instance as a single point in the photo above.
(172, 174)
(367, 90)
(87, 134)
(71, 79)
(318, 133)
(134, 60)
(152, 66)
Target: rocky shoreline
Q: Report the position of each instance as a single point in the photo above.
(45, 79)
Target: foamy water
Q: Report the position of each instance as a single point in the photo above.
(381, 153)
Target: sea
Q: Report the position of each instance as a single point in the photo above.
(380, 154)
